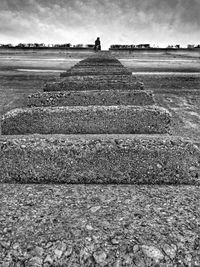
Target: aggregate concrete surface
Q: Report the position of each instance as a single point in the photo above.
(59, 225)
(95, 97)
(87, 120)
(91, 84)
(99, 159)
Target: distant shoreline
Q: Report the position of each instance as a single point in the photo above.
(110, 49)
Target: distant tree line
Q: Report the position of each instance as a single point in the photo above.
(42, 45)
(146, 46)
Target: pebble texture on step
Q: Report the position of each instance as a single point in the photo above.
(87, 120)
(84, 83)
(109, 159)
(94, 72)
(92, 85)
(97, 66)
(87, 98)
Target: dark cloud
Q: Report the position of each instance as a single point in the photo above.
(80, 21)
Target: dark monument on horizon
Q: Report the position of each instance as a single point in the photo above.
(97, 46)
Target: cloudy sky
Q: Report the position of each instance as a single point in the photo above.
(160, 22)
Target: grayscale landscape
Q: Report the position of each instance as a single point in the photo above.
(99, 133)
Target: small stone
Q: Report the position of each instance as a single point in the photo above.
(117, 263)
(153, 252)
(136, 248)
(127, 259)
(36, 262)
(38, 251)
(15, 246)
(48, 259)
(99, 257)
(68, 252)
(193, 169)
(58, 253)
(170, 250)
(114, 241)
(49, 244)
(88, 239)
(94, 209)
(159, 166)
(5, 244)
(89, 227)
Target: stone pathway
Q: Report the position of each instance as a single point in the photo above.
(85, 171)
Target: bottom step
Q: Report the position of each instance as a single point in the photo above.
(125, 159)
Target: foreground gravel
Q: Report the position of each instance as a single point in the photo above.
(115, 225)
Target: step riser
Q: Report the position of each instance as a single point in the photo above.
(87, 73)
(98, 160)
(80, 68)
(124, 78)
(91, 64)
(85, 98)
(87, 120)
(78, 86)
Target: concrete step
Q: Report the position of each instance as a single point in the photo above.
(96, 225)
(99, 159)
(101, 82)
(97, 66)
(94, 66)
(87, 98)
(87, 120)
(124, 78)
(83, 85)
(94, 72)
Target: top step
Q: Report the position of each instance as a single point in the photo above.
(97, 65)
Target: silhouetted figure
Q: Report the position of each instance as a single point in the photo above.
(97, 45)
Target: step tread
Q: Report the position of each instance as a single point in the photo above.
(87, 119)
(99, 159)
(91, 97)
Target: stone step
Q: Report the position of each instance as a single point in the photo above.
(95, 72)
(98, 64)
(97, 225)
(83, 85)
(89, 82)
(99, 159)
(100, 67)
(87, 120)
(98, 70)
(124, 78)
(87, 98)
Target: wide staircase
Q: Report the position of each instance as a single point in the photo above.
(92, 176)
